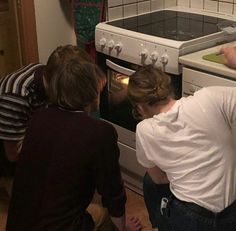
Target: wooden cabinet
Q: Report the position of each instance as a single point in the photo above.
(4, 6)
(18, 39)
(3, 41)
(9, 40)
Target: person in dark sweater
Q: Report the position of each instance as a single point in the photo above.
(66, 155)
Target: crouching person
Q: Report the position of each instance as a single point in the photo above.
(190, 144)
(67, 155)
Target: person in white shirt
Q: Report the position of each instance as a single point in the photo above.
(189, 143)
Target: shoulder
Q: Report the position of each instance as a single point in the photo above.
(145, 127)
(32, 67)
(27, 69)
(104, 128)
(216, 93)
(16, 82)
(215, 90)
(31, 70)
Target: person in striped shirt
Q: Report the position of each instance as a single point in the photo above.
(21, 93)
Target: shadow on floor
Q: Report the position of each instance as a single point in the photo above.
(134, 207)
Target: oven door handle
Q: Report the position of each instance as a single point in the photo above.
(118, 68)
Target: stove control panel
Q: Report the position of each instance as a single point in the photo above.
(111, 44)
(118, 47)
(164, 58)
(137, 50)
(102, 42)
(143, 54)
(154, 56)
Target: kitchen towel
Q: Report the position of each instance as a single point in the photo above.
(86, 15)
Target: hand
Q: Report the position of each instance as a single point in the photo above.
(133, 224)
(230, 55)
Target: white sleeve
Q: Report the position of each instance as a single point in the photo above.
(141, 143)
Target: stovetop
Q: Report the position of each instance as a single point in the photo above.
(175, 25)
(161, 37)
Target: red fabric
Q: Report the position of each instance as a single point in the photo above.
(90, 48)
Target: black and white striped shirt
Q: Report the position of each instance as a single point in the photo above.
(20, 94)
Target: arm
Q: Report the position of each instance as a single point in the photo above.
(109, 182)
(157, 175)
(12, 149)
(14, 116)
(143, 139)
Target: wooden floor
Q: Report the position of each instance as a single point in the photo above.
(134, 207)
(4, 200)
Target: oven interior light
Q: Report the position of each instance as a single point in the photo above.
(124, 79)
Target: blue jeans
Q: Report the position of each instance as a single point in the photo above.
(153, 194)
(183, 218)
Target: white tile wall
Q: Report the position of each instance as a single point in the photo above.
(121, 8)
(144, 7)
(115, 13)
(129, 1)
(185, 3)
(225, 7)
(112, 3)
(157, 4)
(130, 9)
(199, 4)
(222, 6)
(211, 5)
(170, 3)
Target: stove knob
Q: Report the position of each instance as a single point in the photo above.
(111, 44)
(154, 56)
(118, 47)
(102, 42)
(164, 59)
(144, 53)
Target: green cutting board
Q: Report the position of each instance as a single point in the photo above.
(214, 57)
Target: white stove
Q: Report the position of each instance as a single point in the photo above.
(161, 37)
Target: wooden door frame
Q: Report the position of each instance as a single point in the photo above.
(27, 31)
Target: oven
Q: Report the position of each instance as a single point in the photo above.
(158, 38)
(116, 109)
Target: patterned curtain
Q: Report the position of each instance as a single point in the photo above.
(86, 15)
